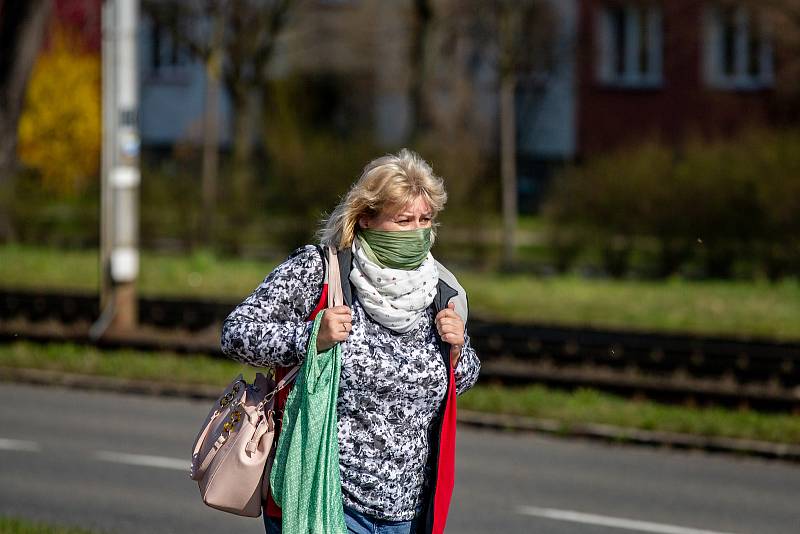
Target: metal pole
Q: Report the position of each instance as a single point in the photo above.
(108, 76)
(121, 177)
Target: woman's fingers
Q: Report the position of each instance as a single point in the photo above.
(338, 313)
(449, 322)
(450, 325)
(335, 326)
(447, 312)
(451, 329)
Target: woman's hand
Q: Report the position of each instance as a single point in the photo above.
(451, 329)
(335, 326)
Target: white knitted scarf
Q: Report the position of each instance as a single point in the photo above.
(395, 298)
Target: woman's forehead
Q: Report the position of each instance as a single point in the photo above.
(418, 206)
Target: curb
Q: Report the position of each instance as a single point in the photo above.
(44, 377)
(607, 433)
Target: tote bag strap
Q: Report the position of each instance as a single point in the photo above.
(334, 279)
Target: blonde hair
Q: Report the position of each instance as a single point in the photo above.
(388, 182)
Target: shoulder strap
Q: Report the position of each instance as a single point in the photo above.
(334, 278)
(325, 299)
(345, 258)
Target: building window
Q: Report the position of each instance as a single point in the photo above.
(738, 49)
(168, 60)
(630, 45)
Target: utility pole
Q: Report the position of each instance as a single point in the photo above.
(119, 231)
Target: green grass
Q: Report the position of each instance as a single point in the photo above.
(198, 275)
(735, 307)
(9, 525)
(591, 406)
(568, 407)
(123, 363)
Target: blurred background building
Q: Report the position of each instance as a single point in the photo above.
(609, 73)
(276, 104)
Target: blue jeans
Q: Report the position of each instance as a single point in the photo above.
(357, 523)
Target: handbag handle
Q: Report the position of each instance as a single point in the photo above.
(285, 381)
(221, 440)
(217, 444)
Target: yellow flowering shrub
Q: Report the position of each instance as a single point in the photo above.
(60, 127)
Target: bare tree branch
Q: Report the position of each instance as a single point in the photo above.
(22, 28)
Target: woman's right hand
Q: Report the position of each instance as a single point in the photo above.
(335, 326)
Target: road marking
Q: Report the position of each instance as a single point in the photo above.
(608, 521)
(143, 459)
(19, 445)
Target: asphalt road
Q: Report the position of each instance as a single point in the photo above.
(119, 463)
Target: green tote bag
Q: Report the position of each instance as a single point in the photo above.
(305, 478)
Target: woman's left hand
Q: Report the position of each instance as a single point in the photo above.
(451, 329)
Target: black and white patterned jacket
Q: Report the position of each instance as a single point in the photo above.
(396, 391)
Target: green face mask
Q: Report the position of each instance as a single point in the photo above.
(405, 249)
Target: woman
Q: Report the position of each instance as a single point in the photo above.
(405, 350)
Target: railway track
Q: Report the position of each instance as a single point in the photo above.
(762, 374)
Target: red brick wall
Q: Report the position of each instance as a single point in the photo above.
(611, 117)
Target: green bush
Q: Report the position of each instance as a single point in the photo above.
(40, 215)
(315, 150)
(723, 206)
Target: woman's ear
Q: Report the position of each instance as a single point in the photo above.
(363, 222)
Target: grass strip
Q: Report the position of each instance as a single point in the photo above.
(592, 406)
(11, 525)
(200, 274)
(709, 307)
(729, 307)
(159, 366)
(580, 406)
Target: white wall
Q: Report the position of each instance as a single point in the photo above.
(172, 100)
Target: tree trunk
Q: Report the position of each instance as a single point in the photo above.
(242, 130)
(423, 15)
(22, 28)
(508, 164)
(242, 180)
(211, 133)
(210, 158)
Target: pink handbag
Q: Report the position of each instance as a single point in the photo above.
(232, 454)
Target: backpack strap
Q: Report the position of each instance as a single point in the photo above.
(449, 288)
(345, 258)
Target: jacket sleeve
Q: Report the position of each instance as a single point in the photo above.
(269, 327)
(467, 368)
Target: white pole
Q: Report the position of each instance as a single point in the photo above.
(108, 76)
(121, 177)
